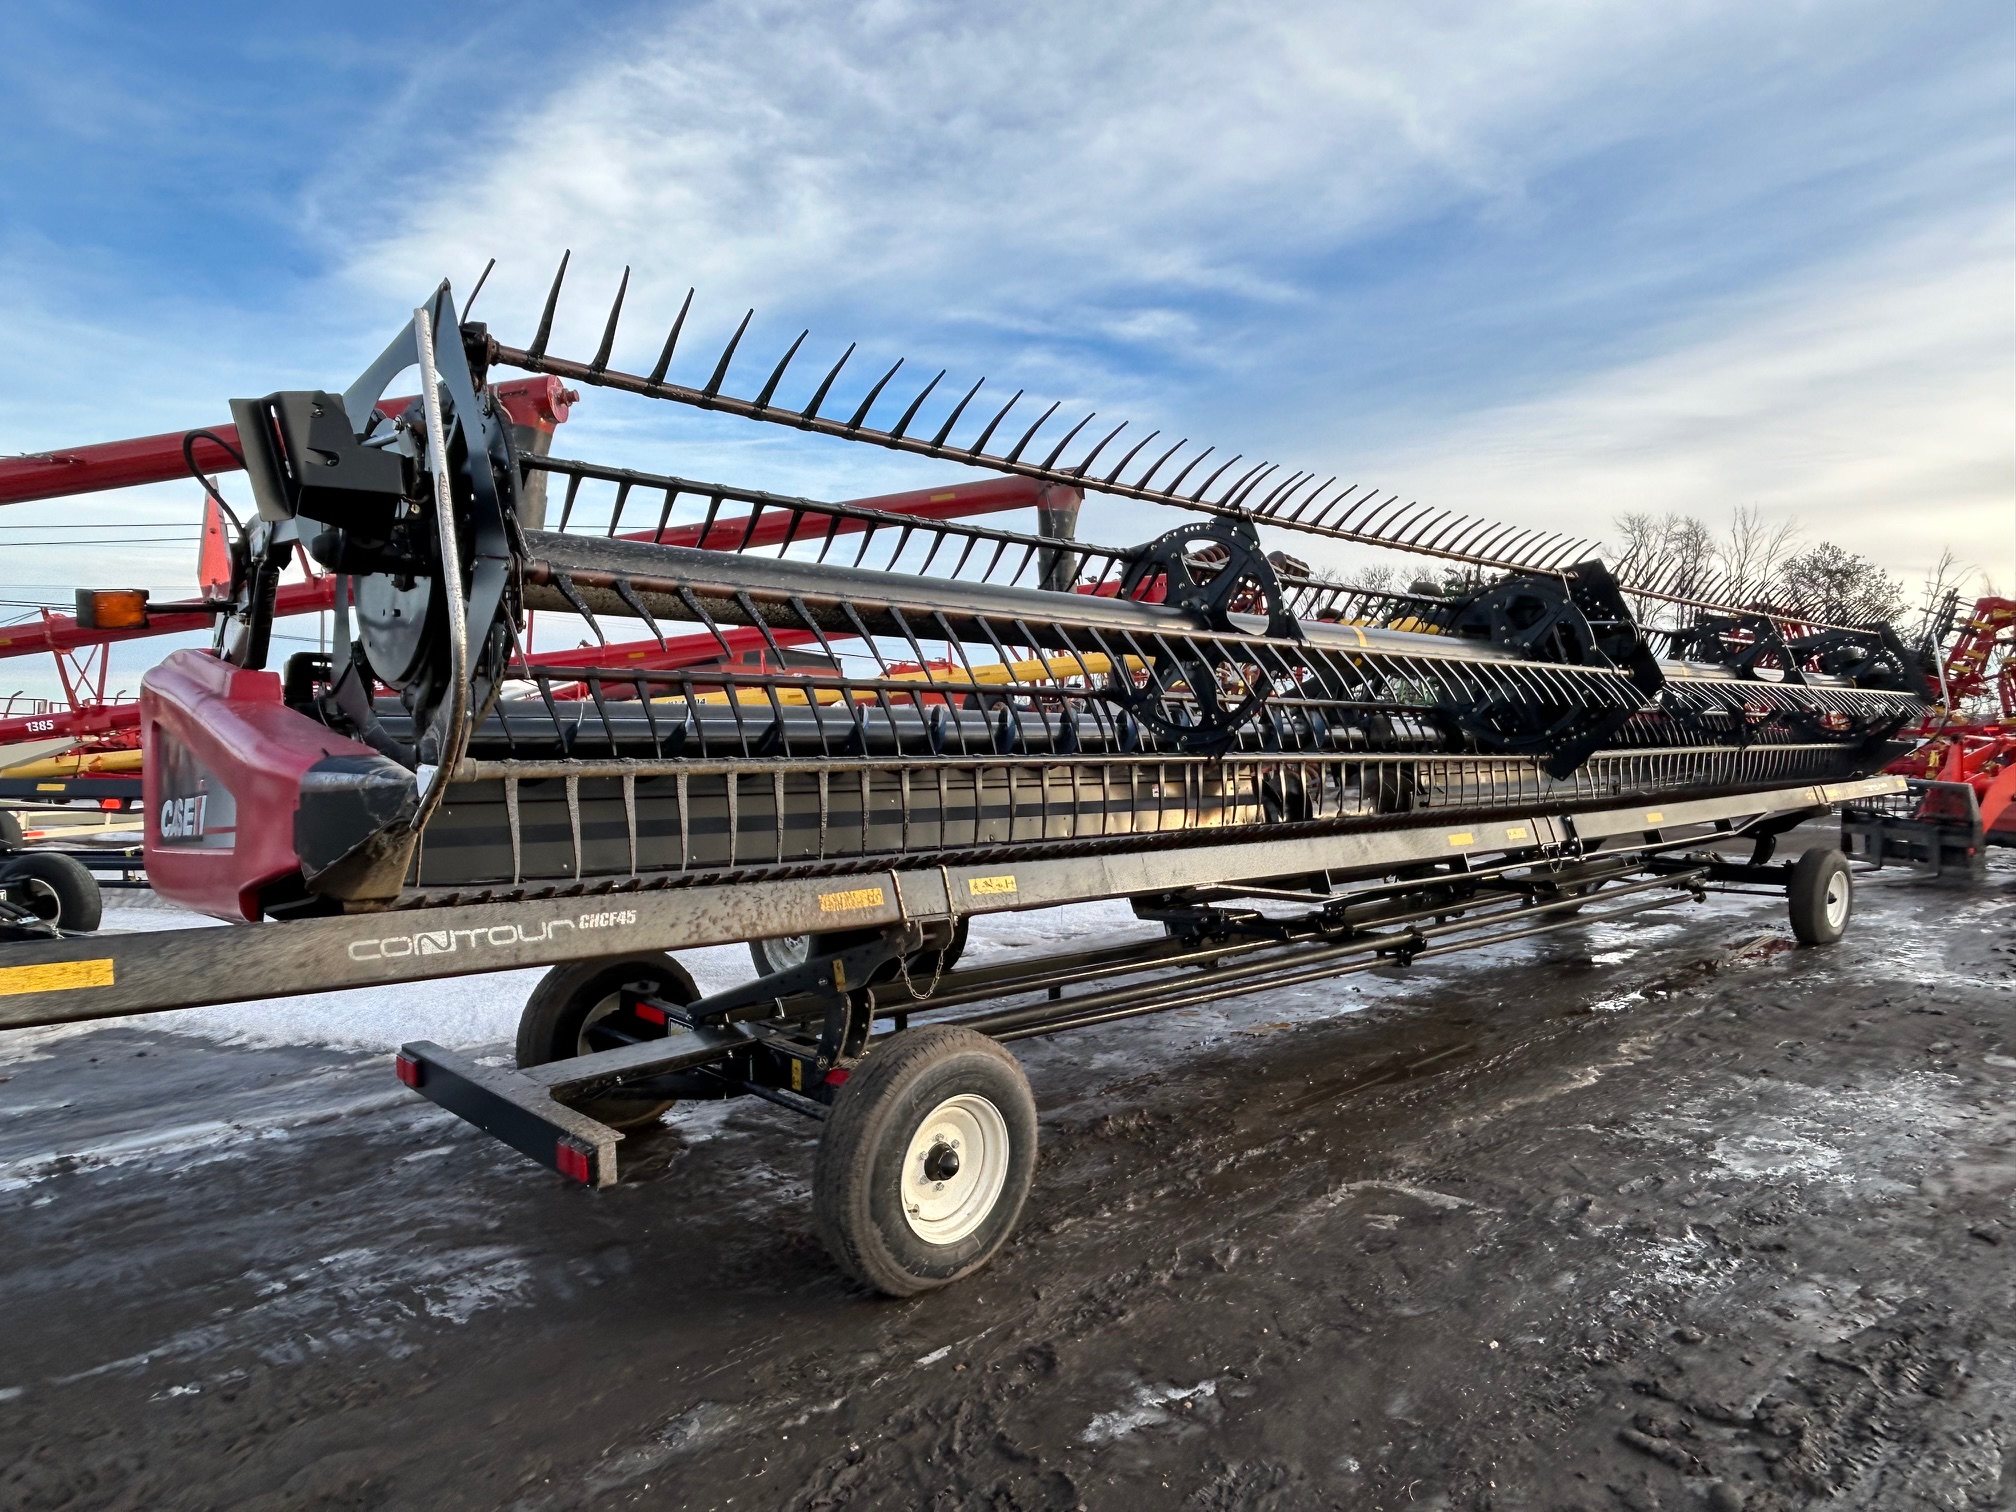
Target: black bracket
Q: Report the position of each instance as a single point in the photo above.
(1236, 578)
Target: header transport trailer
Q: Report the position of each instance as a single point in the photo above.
(1296, 779)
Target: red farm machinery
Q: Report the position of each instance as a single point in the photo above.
(849, 730)
(1960, 773)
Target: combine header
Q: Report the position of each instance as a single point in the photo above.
(905, 720)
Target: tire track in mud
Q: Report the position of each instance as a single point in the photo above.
(1698, 1225)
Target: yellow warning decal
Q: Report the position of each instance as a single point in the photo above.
(858, 897)
(15, 980)
(48, 787)
(1518, 832)
(943, 498)
(1462, 837)
(1657, 816)
(797, 1074)
(988, 887)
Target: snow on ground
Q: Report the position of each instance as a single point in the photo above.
(482, 1011)
(468, 1012)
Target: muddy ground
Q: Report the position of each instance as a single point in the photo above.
(1660, 1214)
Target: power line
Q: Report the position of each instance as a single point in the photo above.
(157, 541)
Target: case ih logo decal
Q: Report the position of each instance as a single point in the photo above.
(195, 810)
(429, 942)
(182, 818)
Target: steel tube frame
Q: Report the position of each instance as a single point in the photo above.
(108, 976)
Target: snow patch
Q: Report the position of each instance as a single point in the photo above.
(1148, 1409)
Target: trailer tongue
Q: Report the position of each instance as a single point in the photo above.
(943, 719)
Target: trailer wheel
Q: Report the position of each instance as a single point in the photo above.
(10, 831)
(55, 888)
(925, 1160)
(1821, 896)
(772, 956)
(571, 1001)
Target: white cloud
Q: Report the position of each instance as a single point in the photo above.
(1073, 197)
(1011, 166)
(1132, 205)
(1873, 401)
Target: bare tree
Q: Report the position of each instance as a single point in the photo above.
(1384, 578)
(1939, 597)
(1752, 553)
(1673, 552)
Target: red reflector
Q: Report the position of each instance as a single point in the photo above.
(408, 1069)
(572, 1163)
(109, 803)
(650, 1014)
(837, 1077)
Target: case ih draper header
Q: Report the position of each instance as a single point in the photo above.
(903, 718)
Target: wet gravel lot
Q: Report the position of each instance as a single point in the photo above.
(1659, 1214)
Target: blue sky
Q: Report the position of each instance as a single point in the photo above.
(1547, 261)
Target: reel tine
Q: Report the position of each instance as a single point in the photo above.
(1235, 497)
(811, 411)
(671, 341)
(1376, 522)
(1403, 532)
(1487, 547)
(602, 352)
(952, 419)
(1030, 434)
(1537, 551)
(1475, 533)
(1571, 550)
(1093, 455)
(727, 356)
(1321, 519)
(539, 337)
(1545, 550)
(1294, 481)
(874, 393)
(915, 405)
(1416, 525)
(1204, 487)
(1359, 510)
(481, 280)
(1178, 480)
(1313, 495)
(1142, 481)
(777, 373)
(1058, 450)
(987, 434)
(1122, 463)
(1442, 524)
(1234, 492)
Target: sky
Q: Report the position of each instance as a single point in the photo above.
(1543, 260)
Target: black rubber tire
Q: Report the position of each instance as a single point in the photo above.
(857, 1194)
(1814, 875)
(57, 888)
(10, 830)
(550, 1027)
(761, 954)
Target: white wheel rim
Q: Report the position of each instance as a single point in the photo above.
(42, 899)
(787, 951)
(1837, 900)
(944, 1208)
(604, 1009)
